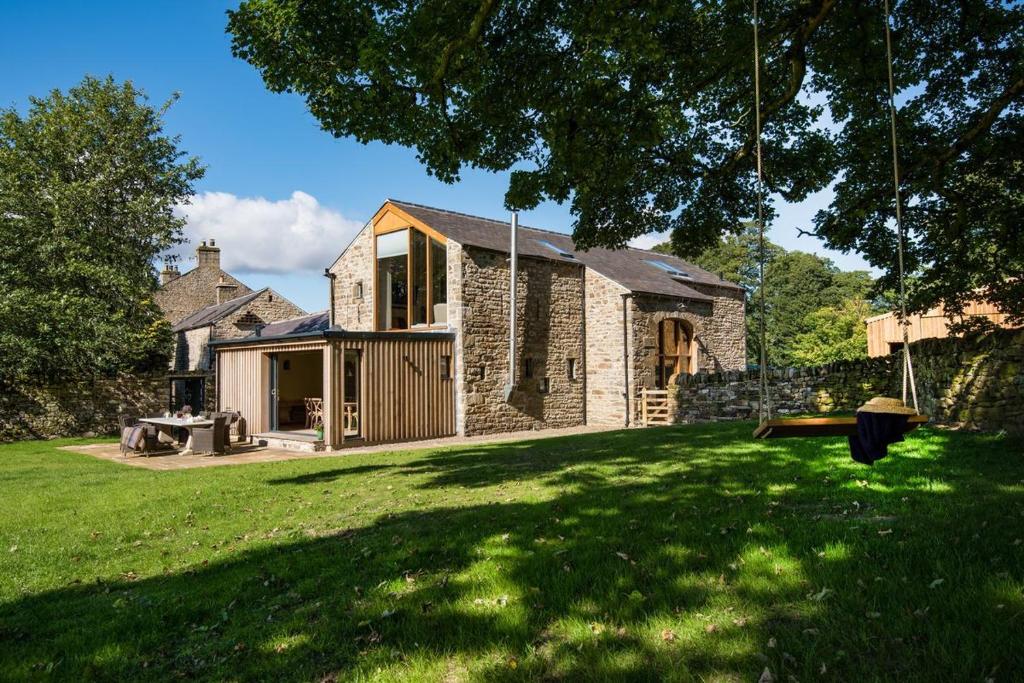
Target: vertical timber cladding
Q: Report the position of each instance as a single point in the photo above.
(404, 395)
(244, 379)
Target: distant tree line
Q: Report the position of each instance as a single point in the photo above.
(814, 311)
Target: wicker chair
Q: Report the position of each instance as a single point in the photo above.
(150, 441)
(210, 439)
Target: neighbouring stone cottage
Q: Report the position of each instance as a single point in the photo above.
(205, 304)
(593, 329)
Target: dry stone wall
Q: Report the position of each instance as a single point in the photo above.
(550, 332)
(78, 408)
(976, 381)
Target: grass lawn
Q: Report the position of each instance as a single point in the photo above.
(689, 553)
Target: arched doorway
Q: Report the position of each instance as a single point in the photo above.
(675, 346)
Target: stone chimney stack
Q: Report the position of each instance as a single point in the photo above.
(208, 256)
(225, 291)
(169, 274)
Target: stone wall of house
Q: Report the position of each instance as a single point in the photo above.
(78, 408)
(976, 381)
(718, 328)
(268, 307)
(351, 311)
(192, 351)
(455, 320)
(550, 332)
(184, 294)
(604, 361)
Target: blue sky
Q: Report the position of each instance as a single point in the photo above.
(280, 196)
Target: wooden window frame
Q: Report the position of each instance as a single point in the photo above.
(430, 234)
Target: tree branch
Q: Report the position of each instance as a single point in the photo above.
(797, 55)
(476, 28)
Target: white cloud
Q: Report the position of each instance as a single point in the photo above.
(649, 241)
(258, 235)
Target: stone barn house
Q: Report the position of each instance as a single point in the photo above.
(204, 304)
(418, 338)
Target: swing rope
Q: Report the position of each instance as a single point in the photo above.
(764, 406)
(909, 382)
(908, 366)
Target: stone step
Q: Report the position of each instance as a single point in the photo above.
(288, 442)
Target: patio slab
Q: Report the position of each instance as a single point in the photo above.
(243, 454)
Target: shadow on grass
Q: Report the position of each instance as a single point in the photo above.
(672, 553)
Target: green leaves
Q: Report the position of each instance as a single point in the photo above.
(640, 114)
(88, 184)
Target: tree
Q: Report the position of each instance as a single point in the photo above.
(833, 334)
(797, 285)
(639, 114)
(88, 185)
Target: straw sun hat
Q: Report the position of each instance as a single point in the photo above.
(883, 404)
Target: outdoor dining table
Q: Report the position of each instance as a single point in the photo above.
(167, 424)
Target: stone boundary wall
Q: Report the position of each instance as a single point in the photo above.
(78, 408)
(977, 382)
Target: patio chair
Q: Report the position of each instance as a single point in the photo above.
(238, 424)
(229, 419)
(209, 439)
(149, 440)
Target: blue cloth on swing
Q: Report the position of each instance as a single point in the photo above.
(875, 432)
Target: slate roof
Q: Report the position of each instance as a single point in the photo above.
(211, 314)
(629, 267)
(314, 322)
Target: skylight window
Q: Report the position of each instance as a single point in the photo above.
(672, 271)
(560, 252)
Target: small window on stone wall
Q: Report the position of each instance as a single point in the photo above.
(528, 368)
(357, 290)
(544, 385)
(571, 368)
(482, 371)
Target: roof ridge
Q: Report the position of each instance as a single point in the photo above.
(718, 280)
(522, 227)
(479, 218)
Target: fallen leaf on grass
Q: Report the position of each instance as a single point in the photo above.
(936, 583)
(821, 595)
(668, 635)
(596, 628)
(884, 532)
(622, 556)
(766, 676)
(711, 628)
(772, 642)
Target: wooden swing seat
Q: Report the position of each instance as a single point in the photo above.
(820, 426)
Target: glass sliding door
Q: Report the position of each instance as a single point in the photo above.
(350, 408)
(393, 280)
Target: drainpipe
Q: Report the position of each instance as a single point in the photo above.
(513, 281)
(625, 352)
(330, 312)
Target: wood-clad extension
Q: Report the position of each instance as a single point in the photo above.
(885, 333)
(405, 389)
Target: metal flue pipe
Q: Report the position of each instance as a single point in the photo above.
(510, 385)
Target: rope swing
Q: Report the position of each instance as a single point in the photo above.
(831, 426)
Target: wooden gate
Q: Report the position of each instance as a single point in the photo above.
(654, 407)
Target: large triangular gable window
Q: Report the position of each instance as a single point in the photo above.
(412, 280)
